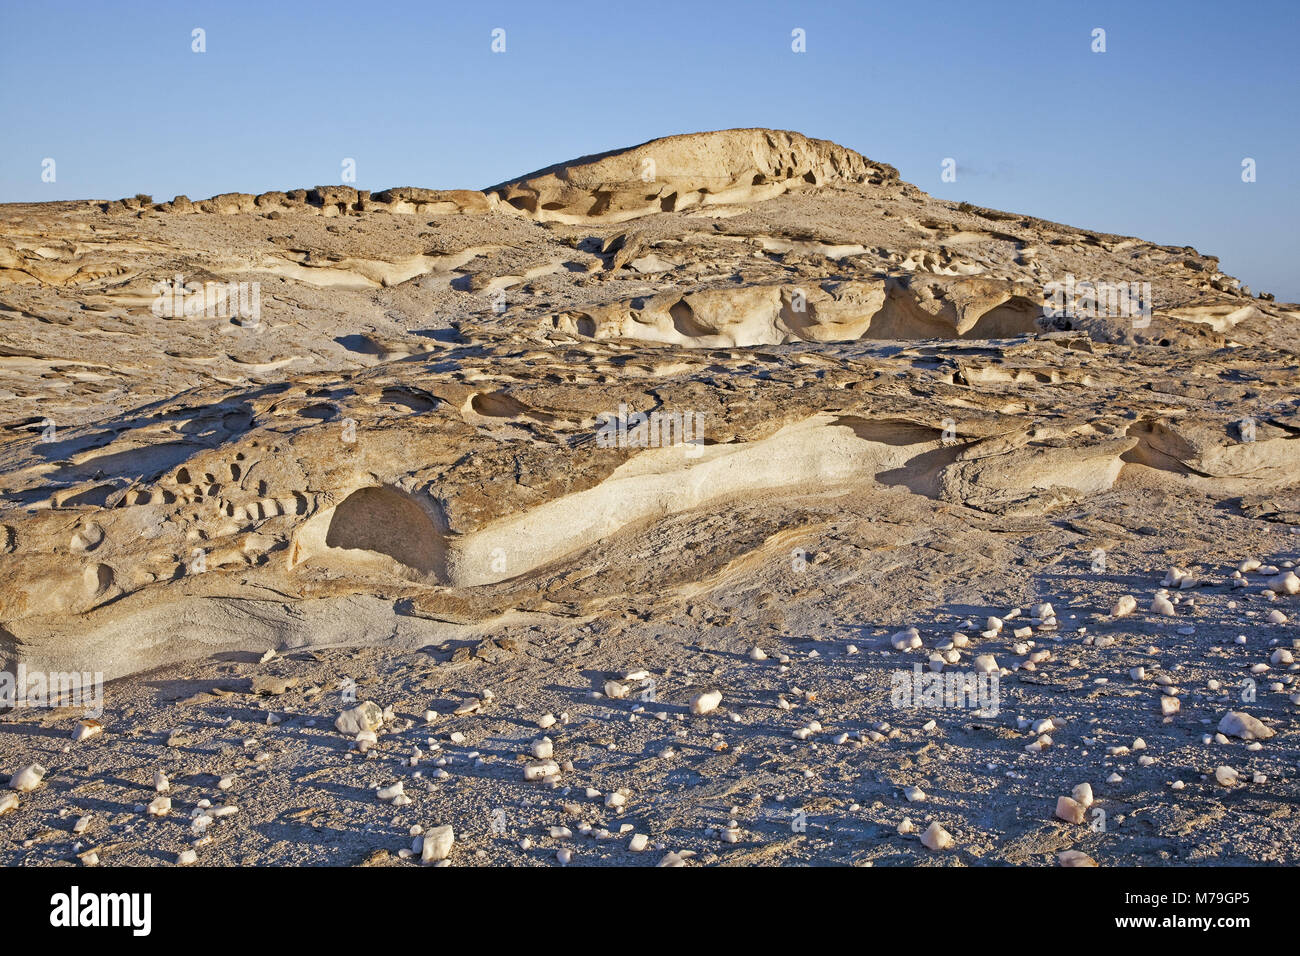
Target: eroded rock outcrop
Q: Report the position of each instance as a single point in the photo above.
(396, 425)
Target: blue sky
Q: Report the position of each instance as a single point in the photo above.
(1145, 139)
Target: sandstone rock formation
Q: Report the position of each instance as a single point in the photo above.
(403, 438)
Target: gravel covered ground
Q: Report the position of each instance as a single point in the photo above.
(807, 759)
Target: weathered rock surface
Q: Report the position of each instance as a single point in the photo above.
(405, 447)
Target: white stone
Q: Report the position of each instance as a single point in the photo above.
(906, 640)
(86, 728)
(437, 844)
(1243, 725)
(27, 779)
(1287, 583)
(1069, 810)
(540, 769)
(936, 837)
(364, 716)
(706, 702)
(1125, 606)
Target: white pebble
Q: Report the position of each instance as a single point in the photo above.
(437, 844)
(936, 837)
(706, 702)
(27, 779)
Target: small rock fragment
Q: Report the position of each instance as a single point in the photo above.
(906, 640)
(1124, 606)
(437, 844)
(540, 769)
(1069, 810)
(1238, 723)
(86, 728)
(364, 716)
(936, 837)
(27, 779)
(706, 702)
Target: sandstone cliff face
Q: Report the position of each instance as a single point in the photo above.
(393, 403)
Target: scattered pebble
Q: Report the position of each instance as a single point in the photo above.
(1241, 724)
(936, 837)
(706, 702)
(364, 716)
(1124, 606)
(27, 779)
(1069, 810)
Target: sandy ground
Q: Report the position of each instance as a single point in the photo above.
(735, 786)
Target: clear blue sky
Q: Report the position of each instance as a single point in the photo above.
(1145, 139)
